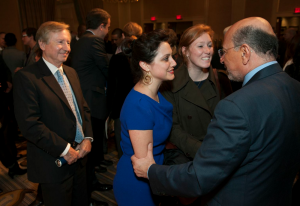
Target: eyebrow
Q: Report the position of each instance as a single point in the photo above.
(166, 55)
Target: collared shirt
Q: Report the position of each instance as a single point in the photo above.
(77, 38)
(53, 70)
(257, 69)
(91, 31)
(119, 50)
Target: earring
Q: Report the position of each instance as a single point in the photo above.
(147, 79)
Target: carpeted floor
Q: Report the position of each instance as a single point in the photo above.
(12, 187)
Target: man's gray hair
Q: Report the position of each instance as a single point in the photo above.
(264, 44)
(42, 33)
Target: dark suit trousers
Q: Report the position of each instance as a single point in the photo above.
(8, 150)
(70, 192)
(96, 155)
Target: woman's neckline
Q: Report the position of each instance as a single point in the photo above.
(148, 96)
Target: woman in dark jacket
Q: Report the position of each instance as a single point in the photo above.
(195, 91)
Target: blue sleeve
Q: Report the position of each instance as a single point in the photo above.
(139, 116)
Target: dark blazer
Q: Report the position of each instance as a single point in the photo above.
(90, 61)
(47, 121)
(193, 108)
(250, 155)
(119, 84)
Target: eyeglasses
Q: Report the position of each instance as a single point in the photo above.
(24, 35)
(222, 52)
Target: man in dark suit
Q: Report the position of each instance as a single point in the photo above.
(90, 61)
(250, 155)
(55, 119)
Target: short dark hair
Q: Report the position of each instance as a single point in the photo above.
(260, 41)
(10, 39)
(96, 17)
(30, 32)
(2, 32)
(143, 49)
(117, 32)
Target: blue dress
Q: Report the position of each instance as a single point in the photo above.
(140, 112)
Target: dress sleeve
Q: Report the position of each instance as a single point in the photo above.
(140, 116)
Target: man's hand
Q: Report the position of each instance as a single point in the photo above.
(18, 68)
(9, 86)
(142, 165)
(71, 156)
(84, 148)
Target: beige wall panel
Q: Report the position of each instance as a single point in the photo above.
(113, 10)
(66, 13)
(288, 5)
(135, 14)
(10, 20)
(261, 8)
(168, 9)
(219, 16)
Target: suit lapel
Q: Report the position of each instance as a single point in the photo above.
(52, 82)
(268, 71)
(191, 92)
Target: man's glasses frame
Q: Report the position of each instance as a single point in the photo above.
(222, 52)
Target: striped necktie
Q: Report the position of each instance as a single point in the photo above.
(62, 80)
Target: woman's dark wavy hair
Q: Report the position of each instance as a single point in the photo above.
(143, 49)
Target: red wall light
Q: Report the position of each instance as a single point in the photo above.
(178, 17)
(297, 10)
(153, 18)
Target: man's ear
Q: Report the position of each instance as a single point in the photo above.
(123, 36)
(245, 53)
(42, 45)
(144, 66)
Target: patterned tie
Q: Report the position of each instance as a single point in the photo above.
(62, 80)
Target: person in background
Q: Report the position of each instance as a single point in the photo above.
(117, 37)
(173, 43)
(28, 38)
(90, 61)
(290, 51)
(251, 148)
(120, 80)
(12, 57)
(132, 29)
(146, 115)
(194, 93)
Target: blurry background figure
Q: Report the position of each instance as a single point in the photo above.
(12, 57)
(290, 51)
(132, 29)
(80, 31)
(2, 41)
(117, 36)
(173, 43)
(28, 38)
(294, 71)
(120, 80)
(8, 150)
(284, 44)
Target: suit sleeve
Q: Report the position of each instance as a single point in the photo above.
(223, 150)
(182, 139)
(100, 56)
(28, 116)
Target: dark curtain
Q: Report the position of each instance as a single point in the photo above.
(82, 7)
(35, 12)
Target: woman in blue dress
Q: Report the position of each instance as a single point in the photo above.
(146, 116)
